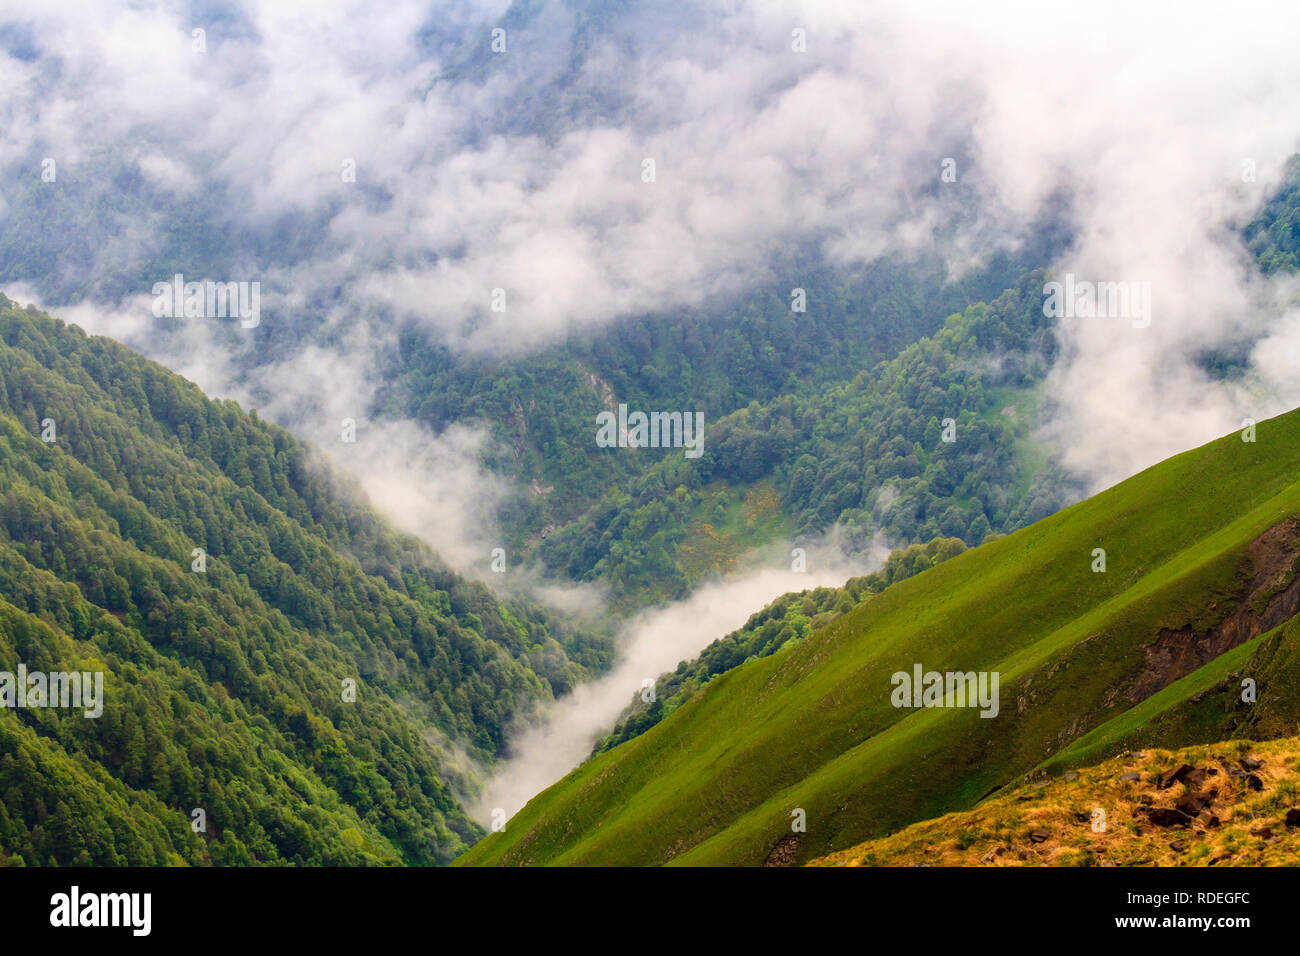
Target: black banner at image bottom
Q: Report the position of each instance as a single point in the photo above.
(332, 906)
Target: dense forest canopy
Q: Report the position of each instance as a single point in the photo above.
(225, 686)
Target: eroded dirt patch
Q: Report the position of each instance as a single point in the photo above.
(1273, 598)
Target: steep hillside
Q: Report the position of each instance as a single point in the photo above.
(231, 590)
(782, 622)
(1235, 803)
(1200, 561)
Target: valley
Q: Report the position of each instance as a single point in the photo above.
(646, 434)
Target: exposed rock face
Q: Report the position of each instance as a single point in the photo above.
(1164, 816)
(1193, 803)
(1273, 597)
(784, 853)
(1178, 775)
(1251, 780)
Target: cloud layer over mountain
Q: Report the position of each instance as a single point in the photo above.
(376, 169)
(772, 128)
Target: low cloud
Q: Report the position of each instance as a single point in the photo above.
(561, 735)
(772, 129)
(434, 487)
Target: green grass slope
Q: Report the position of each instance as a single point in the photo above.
(1193, 570)
(781, 622)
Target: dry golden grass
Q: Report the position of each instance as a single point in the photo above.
(1241, 827)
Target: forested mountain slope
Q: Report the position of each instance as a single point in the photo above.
(225, 687)
(864, 453)
(828, 418)
(1199, 583)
